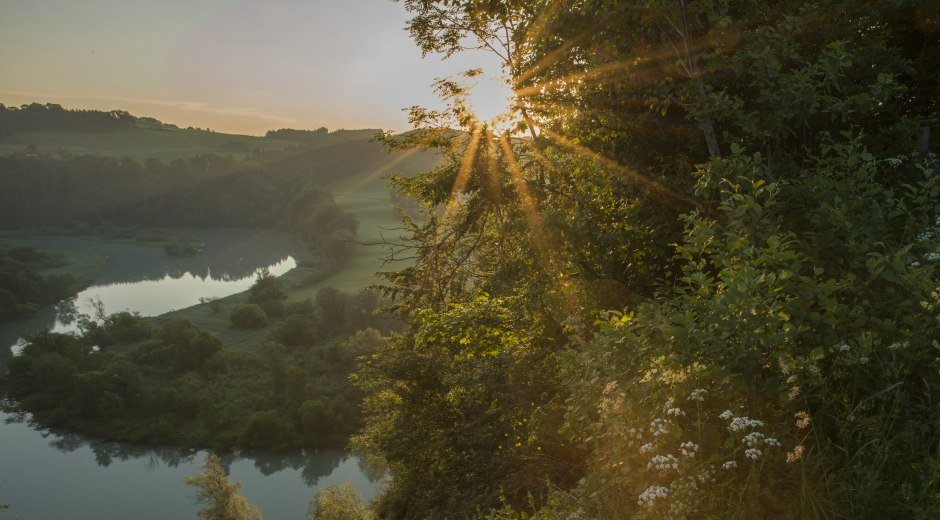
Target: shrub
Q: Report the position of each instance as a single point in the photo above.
(248, 316)
(296, 330)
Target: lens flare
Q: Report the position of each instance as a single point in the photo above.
(491, 99)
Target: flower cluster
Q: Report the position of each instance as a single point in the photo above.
(743, 423)
(663, 463)
(652, 493)
(658, 427)
(753, 439)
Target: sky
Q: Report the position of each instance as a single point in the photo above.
(238, 66)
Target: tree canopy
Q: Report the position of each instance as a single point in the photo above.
(694, 272)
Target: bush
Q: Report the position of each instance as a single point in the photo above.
(127, 327)
(343, 502)
(296, 330)
(266, 288)
(248, 316)
(273, 308)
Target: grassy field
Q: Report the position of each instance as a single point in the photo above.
(139, 143)
(365, 194)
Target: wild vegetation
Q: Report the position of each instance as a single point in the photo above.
(176, 384)
(23, 288)
(166, 381)
(705, 283)
(693, 272)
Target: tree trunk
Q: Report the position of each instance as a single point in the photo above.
(708, 127)
(923, 147)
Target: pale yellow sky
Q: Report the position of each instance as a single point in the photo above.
(230, 65)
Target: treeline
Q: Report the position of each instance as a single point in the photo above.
(23, 288)
(203, 191)
(300, 136)
(36, 117)
(175, 384)
(322, 136)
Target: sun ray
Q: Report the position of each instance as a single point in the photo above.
(392, 161)
(493, 180)
(546, 255)
(546, 61)
(657, 190)
(647, 63)
(535, 32)
(463, 174)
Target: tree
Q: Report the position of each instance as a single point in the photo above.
(248, 316)
(219, 494)
(700, 168)
(266, 288)
(342, 502)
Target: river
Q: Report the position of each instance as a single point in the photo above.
(53, 475)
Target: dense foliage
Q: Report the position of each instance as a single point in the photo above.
(23, 289)
(204, 191)
(704, 284)
(176, 384)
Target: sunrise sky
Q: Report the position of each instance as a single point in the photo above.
(230, 65)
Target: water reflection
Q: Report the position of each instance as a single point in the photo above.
(50, 474)
(143, 279)
(99, 478)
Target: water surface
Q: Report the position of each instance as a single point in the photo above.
(47, 475)
(50, 476)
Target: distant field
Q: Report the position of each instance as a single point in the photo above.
(365, 194)
(139, 143)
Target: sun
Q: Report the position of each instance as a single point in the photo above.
(491, 100)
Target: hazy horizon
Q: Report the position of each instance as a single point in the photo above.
(231, 66)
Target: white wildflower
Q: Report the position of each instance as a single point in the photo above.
(753, 439)
(863, 360)
(727, 414)
(658, 427)
(689, 449)
(844, 348)
(675, 411)
(932, 257)
(663, 463)
(646, 448)
(743, 423)
(730, 464)
(651, 494)
(698, 394)
(894, 161)
(770, 441)
(915, 264)
(752, 453)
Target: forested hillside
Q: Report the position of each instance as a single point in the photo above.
(694, 274)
